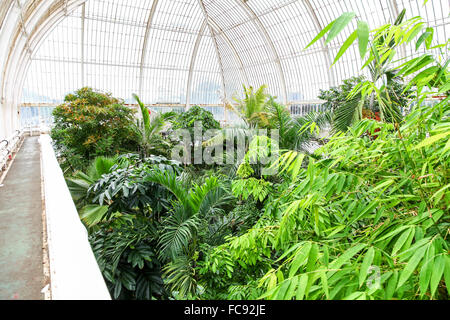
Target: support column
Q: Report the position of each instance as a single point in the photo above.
(83, 19)
(254, 18)
(213, 36)
(192, 65)
(145, 45)
(325, 50)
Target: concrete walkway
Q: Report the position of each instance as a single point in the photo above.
(21, 256)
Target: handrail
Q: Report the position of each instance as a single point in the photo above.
(74, 272)
(8, 147)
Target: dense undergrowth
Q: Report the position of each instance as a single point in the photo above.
(365, 216)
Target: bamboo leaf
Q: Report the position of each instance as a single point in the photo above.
(424, 37)
(323, 277)
(367, 262)
(431, 140)
(300, 259)
(447, 273)
(339, 25)
(320, 35)
(411, 266)
(363, 37)
(301, 287)
(437, 273)
(401, 241)
(345, 46)
(345, 257)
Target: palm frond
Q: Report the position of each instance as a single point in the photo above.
(347, 113)
(101, 166)
(198, 193)
(144, 113)
(214, 201)
(180, 276)
(93, 214)
(177, 233)
(169, 180)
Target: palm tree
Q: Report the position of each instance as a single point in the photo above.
(260, 110)
(181, 229)
(80, 183)
(149, 131)
(295, 133)
(252, 109)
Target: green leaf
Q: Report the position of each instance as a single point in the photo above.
(363, 37)
(411, 266)
(414, 31)
(345, 46)
(320, 35)
(323, 277)
(400, 18)
(291, 289)
(401, 241)
(300, 259)
(429, 39)
(385, 184)
(444, 88)
(313, 254)
(367, 262)
(426, 37)
(437, 273)
(425, 272)
(356, 296)
(345, 257)
(339, 25)
(431, 140)
(93, 214)
(390, 288)
(447, 273)
(283, 288)
(301, 288)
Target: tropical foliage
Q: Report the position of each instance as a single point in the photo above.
(366, 217)
(91, 124)
(149, 131)
(364, 214)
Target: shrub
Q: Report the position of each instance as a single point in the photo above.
(90, 124)
(187, 120)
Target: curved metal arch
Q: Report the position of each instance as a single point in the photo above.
(325, 50)
(19, 44)
(145, 44)
(233, 49)
(17, 54)
(4, 9)
(213, 36)
(259, 25)
(192, 64)
(43, 26)
(44, 15)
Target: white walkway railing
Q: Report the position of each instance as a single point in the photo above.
(8, 148)
(74, 271)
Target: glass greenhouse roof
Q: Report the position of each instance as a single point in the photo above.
(203, 51)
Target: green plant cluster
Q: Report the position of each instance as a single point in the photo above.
(364, 216)
(187, 120)
(365, 204)
(90, 124)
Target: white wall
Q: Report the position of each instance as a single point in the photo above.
(75, 274)
(6, 32)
